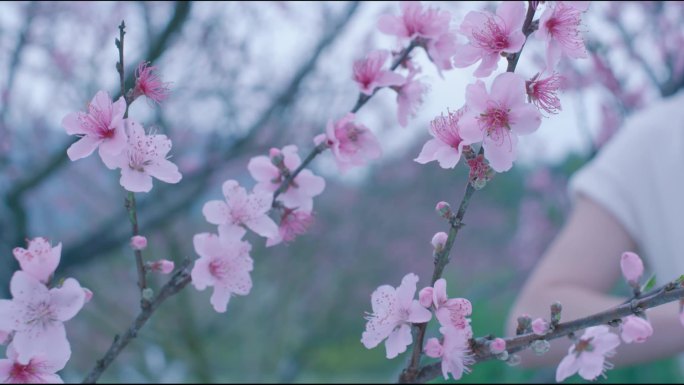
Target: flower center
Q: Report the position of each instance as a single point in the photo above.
(22, 373)
(446, 129)
(219, 268)
(491, 37)
(142, 152)
(39, 315)
(584, 346)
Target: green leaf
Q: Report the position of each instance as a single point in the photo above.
(649, 284)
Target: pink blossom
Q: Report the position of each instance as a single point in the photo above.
(148, 83)
(409, 98)
(425, 296)
(138, 242)
(451, 311)
(632, 267)
(41, 368)
(225, 264)
(37, 315)
(298, 194)
(559, 28)
(415, 21)
(442, 50)
(241, 209)
(453, 350)
(635, 329)
(540, 326)
(447, 144)
(162, 266)
(498, 118)
(40, 260)
(102, 127)
(394, 310)
(497, 345)
(369, 75)
(144, 157)
(491, 35)
(588, 356)
(293, 223)
(542, 92)
(352, 144)
(439, 240)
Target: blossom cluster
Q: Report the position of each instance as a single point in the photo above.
(32, 322)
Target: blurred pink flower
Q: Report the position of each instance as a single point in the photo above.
(409, 98)
(298, 194)
(447, 144)
(542, 92)
(241, 209)
(225, 264)
(491, 35)
(635, 329)
(453, 350)
(369, 75)
(632, 267)
(352, 144)
(101, 127)
(441, 51)
(138, 242)
(415, 21)
(559, 28)
(394, 310)
(40, 259)
(497, 118)
(588, 356)
(37, 315)
(148, 83)
(293, 222)
(144, 157)
(41, 368)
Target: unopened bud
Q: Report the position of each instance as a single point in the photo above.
(443, 209)
(276, 156)
(147, 294)
(513, 360)
(556, 309)
(497, 346)
(540, 326)
(439, 240)
(138, 242)
(163, 266)
(540, 347)
(425, 297)
(632, 267)
(524, 322)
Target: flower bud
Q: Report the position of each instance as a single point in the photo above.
(276, 156)
(503, 356)
(497, 346)
(88, 294)
(540, 347)
(632, 267)
(556, 309)
(147, 294)
(635, 329)
(524, 322)
(540, 326)
(425, 297)
(163, 266)
(433, 348)
(443, 209)
(439, 240)
(138, 242)
(513, 360)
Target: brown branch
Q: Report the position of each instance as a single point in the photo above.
(410, 373)
(179, 280)
(666, 294)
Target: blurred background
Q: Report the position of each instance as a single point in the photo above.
(248, 76)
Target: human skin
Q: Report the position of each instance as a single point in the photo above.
(578, 269)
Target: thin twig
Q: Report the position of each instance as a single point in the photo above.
(660, 296)
(410, 373)
(179, 280)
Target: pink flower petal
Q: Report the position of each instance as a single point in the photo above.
(262, 169)
(135, 181)
(165, 171)
(568, 366)
(525, 119)
(67, 300)
(398, 340)
(418, 314)
(216, 212)
(513, 15)
(501, 155)
(25, 287)
(263, 225)
(509, 89)
(83, 147)
(72, 124)
(220, 298)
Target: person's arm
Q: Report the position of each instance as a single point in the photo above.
(578, 269)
